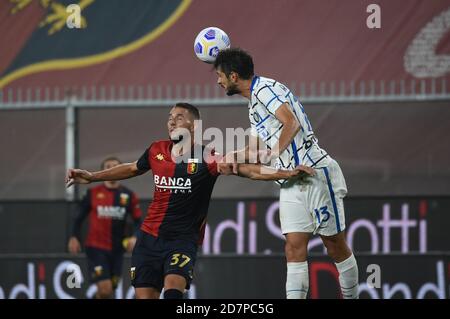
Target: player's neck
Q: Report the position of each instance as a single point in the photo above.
(245, 88)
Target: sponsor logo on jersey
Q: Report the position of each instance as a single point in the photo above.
(114, 212)
(159, 157)
(192, 166)
(172, 184)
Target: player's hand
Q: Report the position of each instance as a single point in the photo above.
(74, 245)
(78, 176)
(302, 171)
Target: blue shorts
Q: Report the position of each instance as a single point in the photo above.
(154, 257)
(104, 264)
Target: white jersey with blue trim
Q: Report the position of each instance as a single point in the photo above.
(267, 95)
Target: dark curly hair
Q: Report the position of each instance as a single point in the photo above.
(235, 60)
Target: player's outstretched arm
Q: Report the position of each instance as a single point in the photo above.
(119, 172)
(265, 173)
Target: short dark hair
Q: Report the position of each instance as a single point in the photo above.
(191, 109)
(110, 158)
(235, 60)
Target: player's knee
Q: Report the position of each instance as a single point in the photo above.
(332, 250)
(295, 251)
(146, 293)
(337, 247)
(173, 281)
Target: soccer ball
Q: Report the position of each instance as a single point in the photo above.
(209, 42)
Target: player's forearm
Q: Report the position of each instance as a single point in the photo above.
(262, 173)
(288, 132)
(76, 229)
(76, 226)
(119, 172)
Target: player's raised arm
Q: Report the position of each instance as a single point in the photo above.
(264, 173)
(119, 172)
(291, 127)
(251, 153)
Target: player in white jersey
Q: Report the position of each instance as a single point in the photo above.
(317, 207)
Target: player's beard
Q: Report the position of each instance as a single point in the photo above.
(232, 90)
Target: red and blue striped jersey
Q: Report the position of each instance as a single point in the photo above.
(107, 209)
(182, 192)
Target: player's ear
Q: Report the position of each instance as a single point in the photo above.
(234, 77)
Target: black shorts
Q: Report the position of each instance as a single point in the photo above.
(153, 258)
(104, 264)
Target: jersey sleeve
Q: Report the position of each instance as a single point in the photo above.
(272, 97)
(143, 163)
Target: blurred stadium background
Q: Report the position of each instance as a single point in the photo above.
(378, 100)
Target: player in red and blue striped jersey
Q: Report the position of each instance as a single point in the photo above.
(166, 247)
(107, 206)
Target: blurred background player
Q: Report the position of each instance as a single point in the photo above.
(166, 248)
(108, 206)
(279, 120)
